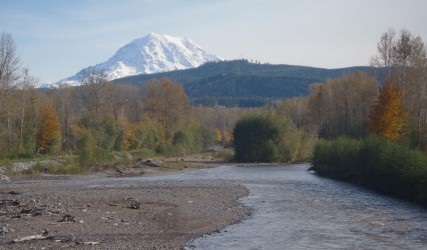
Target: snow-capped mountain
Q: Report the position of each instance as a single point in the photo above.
(150, 54)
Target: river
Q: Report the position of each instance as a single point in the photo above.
(295, 209)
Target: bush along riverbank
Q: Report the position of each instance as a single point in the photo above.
(375, 163)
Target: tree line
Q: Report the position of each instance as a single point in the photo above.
(356, 105)
(346, 106)
(100, 117)
(391, 158)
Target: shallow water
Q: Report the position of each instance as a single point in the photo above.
(295, 209)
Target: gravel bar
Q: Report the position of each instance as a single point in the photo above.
(65, 213)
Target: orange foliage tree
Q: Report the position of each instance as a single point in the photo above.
(388, 115)
(49, 139)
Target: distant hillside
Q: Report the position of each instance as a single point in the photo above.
(245, 84)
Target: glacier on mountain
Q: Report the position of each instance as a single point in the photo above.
(152, 53)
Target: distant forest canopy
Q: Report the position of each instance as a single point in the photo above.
(240, 83)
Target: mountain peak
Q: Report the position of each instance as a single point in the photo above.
(152, 53)
(153, 35)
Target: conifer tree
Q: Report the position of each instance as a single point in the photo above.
(388, 115)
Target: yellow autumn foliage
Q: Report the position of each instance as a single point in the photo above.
(49, 139)
(388, 116)
(218, 135)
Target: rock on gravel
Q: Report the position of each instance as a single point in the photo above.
(4, 178)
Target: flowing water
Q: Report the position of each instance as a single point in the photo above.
(295, 209)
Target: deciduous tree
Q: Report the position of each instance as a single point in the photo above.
(405, 57)
(96, 91)
(166, 102)
(68, 107)
(49, 139)
(27, 111)
(341, 106)
(388, 116)
(9, 65)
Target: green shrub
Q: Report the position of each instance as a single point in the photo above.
(192, 139)
(255, 139)
(271, 137)
(295, 144)
(376, 163)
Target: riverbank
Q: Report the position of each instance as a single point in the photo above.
(375, 163)
(108, 213)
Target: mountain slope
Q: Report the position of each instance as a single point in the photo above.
(150, 54)
(245, 84)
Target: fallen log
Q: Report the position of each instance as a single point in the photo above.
(87, 243)
(63, 239)
(32, 237)
(42, 236)
(151, 163)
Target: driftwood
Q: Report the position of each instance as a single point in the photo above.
(32, 211)
(87, 243)
(135, 205)
(42, 236)
(8, 202)
(151, 163)
(13, 208)
(68, 218)
(63, 239)
(32, 237)
(120, 170)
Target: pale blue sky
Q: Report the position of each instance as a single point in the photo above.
(57, 38)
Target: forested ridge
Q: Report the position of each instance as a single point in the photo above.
(243, 83)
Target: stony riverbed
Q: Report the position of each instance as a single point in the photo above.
(93, 214)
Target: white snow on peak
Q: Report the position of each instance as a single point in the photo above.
(152, 53)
